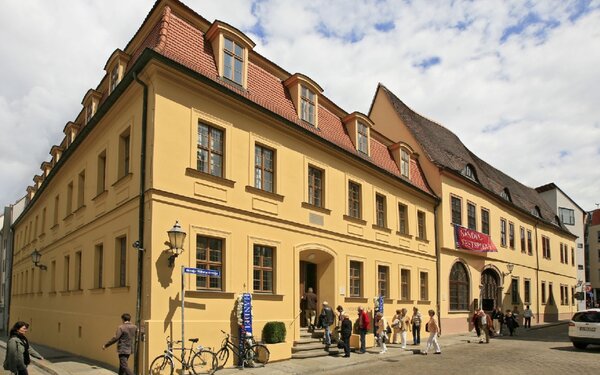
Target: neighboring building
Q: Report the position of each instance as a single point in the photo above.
(593, 247)
(573, 217)
(274, 184)
(532, 265)
(7, 218)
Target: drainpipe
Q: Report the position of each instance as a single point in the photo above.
(438, 266)
(537, 273)
(140, 244)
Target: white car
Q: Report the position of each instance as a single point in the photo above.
(584, 328)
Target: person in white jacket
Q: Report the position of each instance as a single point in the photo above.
(382, 331)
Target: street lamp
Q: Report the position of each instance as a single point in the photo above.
(36, 256)
(510, 268)
(176, 238)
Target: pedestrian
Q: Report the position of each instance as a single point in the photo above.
(326, 319)
(416, 326)
(404, 328)
(511, 322)
(482, 321)
(382, 334)
(498, 317)
(338, 327)
(396, 320)
(310, 308)
(475, 323)
(363, 328)
(527, 315)
(434, 331)
(124, 339)
(346, 333)
(18, 350)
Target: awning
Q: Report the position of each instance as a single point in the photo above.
(472, 240)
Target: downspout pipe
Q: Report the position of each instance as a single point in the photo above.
(141, 213)
(438, 266)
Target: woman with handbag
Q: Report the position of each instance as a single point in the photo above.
(434, 331)
(382, 331)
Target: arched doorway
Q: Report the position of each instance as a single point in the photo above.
(490, 289)
(316, 270)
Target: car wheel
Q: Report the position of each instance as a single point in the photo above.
(580, 345)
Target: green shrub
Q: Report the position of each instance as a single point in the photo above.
(274, 332)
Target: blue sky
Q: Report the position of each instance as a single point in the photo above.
(517, 81)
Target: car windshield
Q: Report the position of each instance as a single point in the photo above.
(587, 317)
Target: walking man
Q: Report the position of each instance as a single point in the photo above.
(416, 326)
(124, 339)
(326, 320)
(346, 332)
(310, 310)
(527, 314)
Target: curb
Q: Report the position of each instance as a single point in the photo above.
(547, 325)
(41, 364)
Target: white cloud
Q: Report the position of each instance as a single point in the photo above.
(528, 106)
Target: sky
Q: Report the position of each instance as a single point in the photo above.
(517, 81)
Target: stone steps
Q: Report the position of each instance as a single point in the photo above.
(310, 345)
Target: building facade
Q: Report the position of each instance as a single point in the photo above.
(524, 254)
(593, 247)
(277, 188)
(574, 218)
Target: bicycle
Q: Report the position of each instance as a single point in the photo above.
(255, 354)
(200, 360)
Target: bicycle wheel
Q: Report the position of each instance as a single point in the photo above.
(162, 365)
(204, 362)
(222, 356)
(257, 355)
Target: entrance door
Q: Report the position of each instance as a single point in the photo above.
(489, 291)
(308, 279)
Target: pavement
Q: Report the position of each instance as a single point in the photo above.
(57, 362)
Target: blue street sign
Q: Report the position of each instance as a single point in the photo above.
(202, 272)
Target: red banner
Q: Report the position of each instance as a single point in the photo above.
(469, 239)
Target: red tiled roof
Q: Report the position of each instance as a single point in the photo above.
(178, 40)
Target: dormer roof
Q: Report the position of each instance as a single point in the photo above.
(219, 27)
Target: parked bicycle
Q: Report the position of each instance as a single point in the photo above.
(255, 354)
(200, 360)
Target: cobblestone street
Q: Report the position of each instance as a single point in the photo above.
(541, 351)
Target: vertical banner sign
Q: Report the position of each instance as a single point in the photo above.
(246, 322)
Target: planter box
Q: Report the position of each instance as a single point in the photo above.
(355, 341)
(279, 351)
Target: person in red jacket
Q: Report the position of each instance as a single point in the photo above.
(363, 328)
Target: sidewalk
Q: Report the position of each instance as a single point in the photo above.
(62, 363)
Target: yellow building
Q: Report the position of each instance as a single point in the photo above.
(274, 184)
(534, 263)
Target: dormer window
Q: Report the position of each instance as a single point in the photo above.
(363, 138)
(70, 131)
(469, 172)
(91, 102)
(536, 212)
(233, 61)
(231, 47)
(307, 107)
(505, 194)
(359, 126)
(404, 163)
(115, 68)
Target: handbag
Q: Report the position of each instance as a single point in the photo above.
(388, 330)
(426, 327)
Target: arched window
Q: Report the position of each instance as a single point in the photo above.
(459, 287)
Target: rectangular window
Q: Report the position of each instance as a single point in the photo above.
(529, 243)
(562, 254)
(503, 232)
(485, 221)
(550, 294)
(56, 209)
(527, 291)
(404, 163)
(66, 272)
(421, 229)
(405, 285)
(69, 205)
(572, 256)
(233, 61)
(209, 256)
(546, 247)
(514, 291)
(363, 138)
(99, 266)
(403, 218)
(114, 78)
(567, 215)
(78, 271)
(315, 186)
(355, 277)
(101, 177)
(380, 210)
(543, 292)
(53, 276)
(307, 105)
(263, 269)
(598, 236)
(424, 286)
(456, 210)
(121, 262)
(35, 227)
(43, 229)
(354, 201)
(383, 279)
(81, 190)
(511, 235)
(522, 236)
(471, 218)
(264, 168)
(210, 150)
(124, 153)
